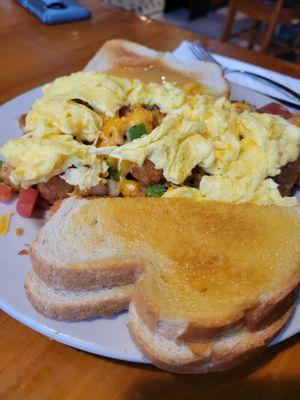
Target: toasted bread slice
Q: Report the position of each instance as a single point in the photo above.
(228, 265)
(132, 56)
(207, 266)
(221, 354)
(76, 305)
(80, 255)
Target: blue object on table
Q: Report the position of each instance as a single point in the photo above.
(56, 12)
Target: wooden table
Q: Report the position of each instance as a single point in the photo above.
(31, 365)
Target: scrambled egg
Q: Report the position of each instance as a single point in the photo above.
(59, 112)
(85, 177)
(56, 115)
(37, 159)
(168, 97)
(102, 96)
(176, 145)
(238, 149)
(106, 94)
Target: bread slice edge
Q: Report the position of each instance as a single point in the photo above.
(224, 353)
(76, 305)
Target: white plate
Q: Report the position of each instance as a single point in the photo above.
(104, 336)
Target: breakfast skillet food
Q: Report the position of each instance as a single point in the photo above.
(95, 134)
(101, 134)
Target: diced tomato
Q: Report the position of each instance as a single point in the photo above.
(26, 202)
(5, 193)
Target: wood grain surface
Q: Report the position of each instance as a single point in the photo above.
(33, 367)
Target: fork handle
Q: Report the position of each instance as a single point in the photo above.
(276, 85)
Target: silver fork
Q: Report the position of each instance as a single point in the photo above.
(199, 51)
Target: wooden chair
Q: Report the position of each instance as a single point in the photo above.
(270, 14)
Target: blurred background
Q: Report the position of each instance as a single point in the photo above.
(268, 26)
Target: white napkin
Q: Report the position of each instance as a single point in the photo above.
(183, 52)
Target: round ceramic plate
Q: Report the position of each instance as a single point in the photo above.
(104, 336)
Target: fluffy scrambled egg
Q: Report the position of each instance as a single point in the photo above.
(75, 127)
(238, 151)
(56, 115)
(177, 145)
(100, 96)
(86, 177)
(37, 159)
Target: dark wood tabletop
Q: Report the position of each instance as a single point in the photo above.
(35, 367)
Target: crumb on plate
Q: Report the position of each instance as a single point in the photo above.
(19, 231)
(23, 252)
